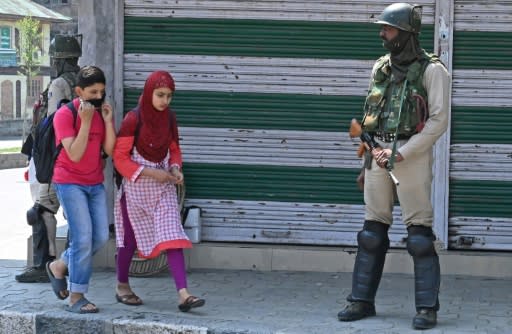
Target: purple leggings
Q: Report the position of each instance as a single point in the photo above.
(175, 258)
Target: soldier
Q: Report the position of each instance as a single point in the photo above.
(406, 111)
(64, 54)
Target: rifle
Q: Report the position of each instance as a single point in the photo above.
(368, 143)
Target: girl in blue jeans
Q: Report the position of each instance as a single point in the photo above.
(78, 182)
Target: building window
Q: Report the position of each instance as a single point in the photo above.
(18, 99)
(6, 104)
(35, 87)
(5, 38)
(64, 1)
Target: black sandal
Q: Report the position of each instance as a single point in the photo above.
(191, 302)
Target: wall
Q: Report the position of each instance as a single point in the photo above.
(265, 93)
(97, 26)
(10, 128)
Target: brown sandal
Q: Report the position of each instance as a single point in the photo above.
(130, 299)
(191, 302)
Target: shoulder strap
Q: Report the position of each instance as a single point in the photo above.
(382, 70)
(382, 62)
(70, 79)
(44, 93)
(71, 107)
(172, 121)
(137, 127)
(431, 58)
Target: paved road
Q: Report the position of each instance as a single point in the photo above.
(10, 142)
(263, 302)
(14, 202)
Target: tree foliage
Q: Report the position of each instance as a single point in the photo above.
(30, 39)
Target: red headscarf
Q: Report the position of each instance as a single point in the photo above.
(155, 133)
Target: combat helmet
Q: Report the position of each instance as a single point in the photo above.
(63, 46)
(402, 16)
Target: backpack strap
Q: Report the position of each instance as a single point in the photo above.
(71, 106)
(137, 127)
(59, 147)
(70, 78)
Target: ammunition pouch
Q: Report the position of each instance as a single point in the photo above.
(389, 137)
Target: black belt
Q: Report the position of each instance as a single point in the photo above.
(389, 137)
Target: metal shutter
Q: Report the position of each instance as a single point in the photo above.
(481, 145)
(265, 94)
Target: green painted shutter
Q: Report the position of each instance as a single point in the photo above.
(265, 94)
(481, 145)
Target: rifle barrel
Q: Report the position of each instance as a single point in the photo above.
(393, 178)
(372, 144)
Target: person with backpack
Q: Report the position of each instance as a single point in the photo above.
(64, 53)
(148, 156)
(78, 178)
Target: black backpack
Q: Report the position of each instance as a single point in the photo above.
(40, 111)
(44, 150)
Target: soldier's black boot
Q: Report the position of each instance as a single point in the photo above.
(427, 276)
(33, 275)
(40, 249)
(426, 318)
(356, 310)
(373, 243)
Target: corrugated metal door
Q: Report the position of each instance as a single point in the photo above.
(481, 144)
(265, 94)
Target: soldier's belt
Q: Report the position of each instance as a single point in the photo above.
(389, 137)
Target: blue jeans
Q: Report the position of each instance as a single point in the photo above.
(85, 208)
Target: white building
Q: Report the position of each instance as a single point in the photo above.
(13, 85)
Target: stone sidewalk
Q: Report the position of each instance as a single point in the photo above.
(241, 301)
(252, 302)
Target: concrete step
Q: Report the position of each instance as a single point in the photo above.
(268, 257)
(14, 322)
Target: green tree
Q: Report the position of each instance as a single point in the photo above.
(30, 39)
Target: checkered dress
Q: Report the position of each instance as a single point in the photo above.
(153, 211)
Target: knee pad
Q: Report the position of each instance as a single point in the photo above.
(420, 242)
(374, 237)
(33, 215)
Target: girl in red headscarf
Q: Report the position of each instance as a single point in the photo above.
(148, 156)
